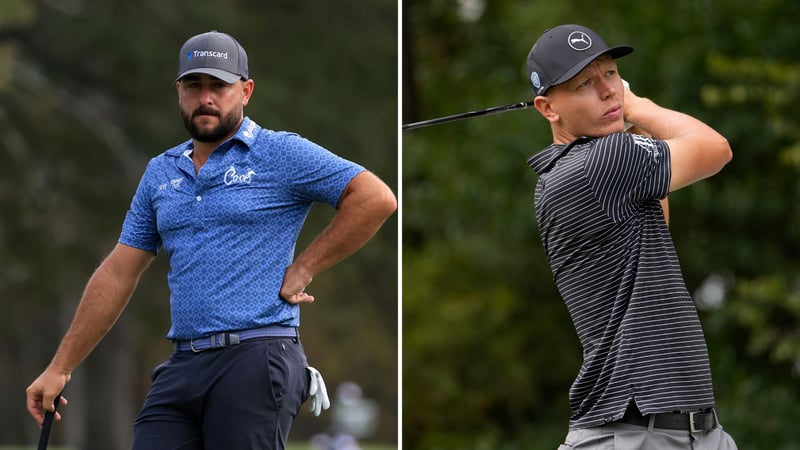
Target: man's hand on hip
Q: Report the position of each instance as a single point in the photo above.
(294, 285)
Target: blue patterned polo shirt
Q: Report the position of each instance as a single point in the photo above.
(229, 231)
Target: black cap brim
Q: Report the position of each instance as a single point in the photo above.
(615, 52)
(223, 75)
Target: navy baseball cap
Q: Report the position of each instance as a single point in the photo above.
(213, 53)
(561, 52)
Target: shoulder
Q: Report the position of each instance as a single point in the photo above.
(545, 160)
(627, 147)
(256, 137)
(171, 154)
(627, 142)
(164, 164)
(281, 142)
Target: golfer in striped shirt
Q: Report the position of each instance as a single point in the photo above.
(645, 381)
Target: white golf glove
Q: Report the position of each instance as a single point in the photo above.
(627, 86)
(317, 392)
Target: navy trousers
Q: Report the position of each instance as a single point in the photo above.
(243, 397)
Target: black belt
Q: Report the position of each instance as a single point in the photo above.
(229, 339)
(692, 421)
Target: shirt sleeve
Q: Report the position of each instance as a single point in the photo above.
(626, 170)
(315, 174)
(139, 228)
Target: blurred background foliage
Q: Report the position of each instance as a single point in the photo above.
(489, 351)
(87, 97)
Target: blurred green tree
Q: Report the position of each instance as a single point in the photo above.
(87, 97)
(488, 349)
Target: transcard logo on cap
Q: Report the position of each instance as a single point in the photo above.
(211, 53)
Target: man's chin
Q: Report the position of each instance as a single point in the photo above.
(205, 134)
(616, 128)
(207, 138)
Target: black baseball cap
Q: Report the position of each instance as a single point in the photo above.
(561, 52)
(213, 53)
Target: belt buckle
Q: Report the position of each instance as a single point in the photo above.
(692, 427)
(197, 350)
(218, 340)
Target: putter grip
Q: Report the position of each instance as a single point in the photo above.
(48, 424)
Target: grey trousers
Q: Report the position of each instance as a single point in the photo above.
(622, 436)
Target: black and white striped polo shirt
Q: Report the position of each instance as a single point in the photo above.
(615, 266)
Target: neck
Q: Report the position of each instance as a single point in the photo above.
(561, 137)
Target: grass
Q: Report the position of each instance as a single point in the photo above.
(20, 447)
(289, 446)
(305, 446)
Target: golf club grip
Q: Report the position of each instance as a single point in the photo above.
(49, 417)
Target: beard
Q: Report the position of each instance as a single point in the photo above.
(227, 124)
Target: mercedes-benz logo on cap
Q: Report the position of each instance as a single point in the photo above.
(579, 41)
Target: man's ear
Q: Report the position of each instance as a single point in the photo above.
(247, 90)
(545, 108)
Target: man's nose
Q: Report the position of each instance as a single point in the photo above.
(206, 95)
(607, 87)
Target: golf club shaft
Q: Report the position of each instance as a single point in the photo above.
(467, 115)
(48, 424)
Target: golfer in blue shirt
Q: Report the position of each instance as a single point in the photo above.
(226, 207)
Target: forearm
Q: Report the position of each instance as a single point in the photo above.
(106, 294)
(101, 305)
(103, 300)
(662, 123)
(363, 208)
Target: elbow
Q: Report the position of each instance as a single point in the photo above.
(370, 194)
(384, 201)
(388, 202)
(725, 149)
(725, 152)
(380, 202)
